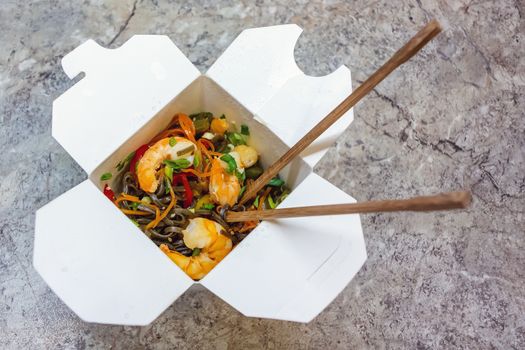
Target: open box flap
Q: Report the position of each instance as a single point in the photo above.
(291, 269)
(99, 263)
(259, 70)
(123, 88)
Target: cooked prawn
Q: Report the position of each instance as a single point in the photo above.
(152, 160)
(224, 187)
(210, 246)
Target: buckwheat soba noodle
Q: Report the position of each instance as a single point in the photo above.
(177, 187)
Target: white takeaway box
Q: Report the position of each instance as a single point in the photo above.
(105, 269)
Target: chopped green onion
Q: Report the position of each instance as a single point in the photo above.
(135, 205)
(125, 161)
(271, 202)
(276, 182)
(282, 198)
(135, 222)
(146, 200)
(196, 159)
(178, 163)
(168, 171)
(256, 201)
(173, 141)
(243, 188)
(168, 186)
(208, 206)
(196, 252)
(245, 130)
(232, 165)
(106, 176)
(235, 138)
(240, 175)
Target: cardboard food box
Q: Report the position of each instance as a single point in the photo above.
(105, 269)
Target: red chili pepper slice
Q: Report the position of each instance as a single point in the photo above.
(188, 194)
(138, 154)
(108, 192)
(176, 179)
(188, 198)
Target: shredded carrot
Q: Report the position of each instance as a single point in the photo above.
(126, 197)
(216, 154)
(178, 131)
(207, 168)
(187, 125)
(167, 133)
(158, 218)
(208, 143)
(174, 120)
(196, 172)
(203, 149)
(134, 212)
(130, 197)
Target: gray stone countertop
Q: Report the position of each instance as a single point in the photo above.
(452, 117)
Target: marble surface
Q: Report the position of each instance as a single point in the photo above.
(450, 118)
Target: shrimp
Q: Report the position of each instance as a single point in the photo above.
(209, 245)
(224, 188)
(152, 159)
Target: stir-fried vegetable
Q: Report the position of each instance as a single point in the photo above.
(188, 194)
(106, 176)
(235, 138)
(196, 168)
(125, 161)
(232, 165)
(108, 192)
(276, 182)
(177, 164)
(136, 156)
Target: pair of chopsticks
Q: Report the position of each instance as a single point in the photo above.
(444, 201)
(452, 200)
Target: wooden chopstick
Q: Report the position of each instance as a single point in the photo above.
(401, 56)
(443, 201)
